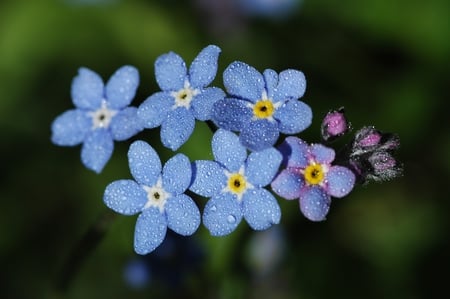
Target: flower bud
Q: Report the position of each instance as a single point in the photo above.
(384, 166)
(369, 139)
(334, 125)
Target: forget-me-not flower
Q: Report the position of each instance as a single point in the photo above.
(261, 106)
(235, 184)
(101, 115)
(184, 96)
(157, 194)
(310, 177)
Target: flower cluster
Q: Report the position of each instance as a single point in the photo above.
(251, 162)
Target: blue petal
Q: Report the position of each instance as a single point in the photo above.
(145, 165)
(208, 178)
(121, 87)
(231, 114)
(295, 152)
(151, 227)
(97, 149)
(222, 214)
(262, 166)
(125, 197)
(291, 85)
(227, 150)
(288, 184)
(243, 81)
(340, 181)
(170, 72)
(271, 79)
(259, 135)
(204, 67)
(87, 90)
(153, 111)
(293, 116)
(125, 124)
(183, 216)
(314, 203)
(260, 209)
(176, 174)
(202, 104)
(71, 127)
(322, 154)
(177, 128)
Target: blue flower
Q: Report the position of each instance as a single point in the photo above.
(235, 184)
(101, 115)
(184, 96)
(310, 177)
(157, 194)
(262, 105)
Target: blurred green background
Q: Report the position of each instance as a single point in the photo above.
(387, 62)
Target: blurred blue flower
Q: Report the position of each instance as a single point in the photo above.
(310, 177)
(235, 184)
(157, 194)
(184, 96)
(101, 115)
(268, 8)
(261, 106)
(137, 273)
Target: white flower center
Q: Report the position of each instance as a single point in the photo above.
(237, 183)
(184, 96)
(156, 196)
(101, 118)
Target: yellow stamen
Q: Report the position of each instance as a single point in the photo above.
(314, 174)
(263, 109)
(237, 183)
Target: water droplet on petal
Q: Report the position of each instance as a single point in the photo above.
(213, 208)
(231, 219)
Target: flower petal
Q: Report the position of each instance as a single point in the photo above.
(87, 89)
(227, 150)
(295, 152)
(231, 114)
(271, 79)
(288, 184)
(150, 231)
(314, 203)
(203, 69)
(176, 174)
(125, 197)
(208, 178)
(170, 72)
(121, 87)
(261, 167)
(125, 124)
(177, 128)
(202, 104)
(183, 216)
(153, 111)
(145, 165)
(291, 86)
(260, 209)
(340, 181)
(293, 116)
(322, 154)
(97, 149)
(243, 81)
(259, 135)
(222, 214)
(71, 127)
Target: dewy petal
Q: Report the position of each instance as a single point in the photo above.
(322, 154)
(271, 79)
(231, 114)
(177, 128)
(121, 87)
(202, 104)
(243, 81)
(208, 178)
(288, 184)
(183, 216)
(150, 231)
(97, 149)
(87, 90)
(314, 203)
(145, 165)
(204, 67)
(170, 72)
(222, 214)
(125, 124)
(125, 197)
(176, 174)
(260, 209)
(295, 152)
(293, 117)
(291, 85)
(259, 135)
(71, 127)
(153, 111)
(340, 181)
(227, 150)
(261, 167)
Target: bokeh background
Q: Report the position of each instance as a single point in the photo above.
(387, 62)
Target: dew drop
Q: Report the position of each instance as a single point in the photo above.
(231, 219)
(213, 208)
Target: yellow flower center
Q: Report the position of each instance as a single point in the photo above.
(314, 174)
(237, 183)
(263, 109)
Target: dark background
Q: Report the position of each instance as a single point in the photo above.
(387, 62)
